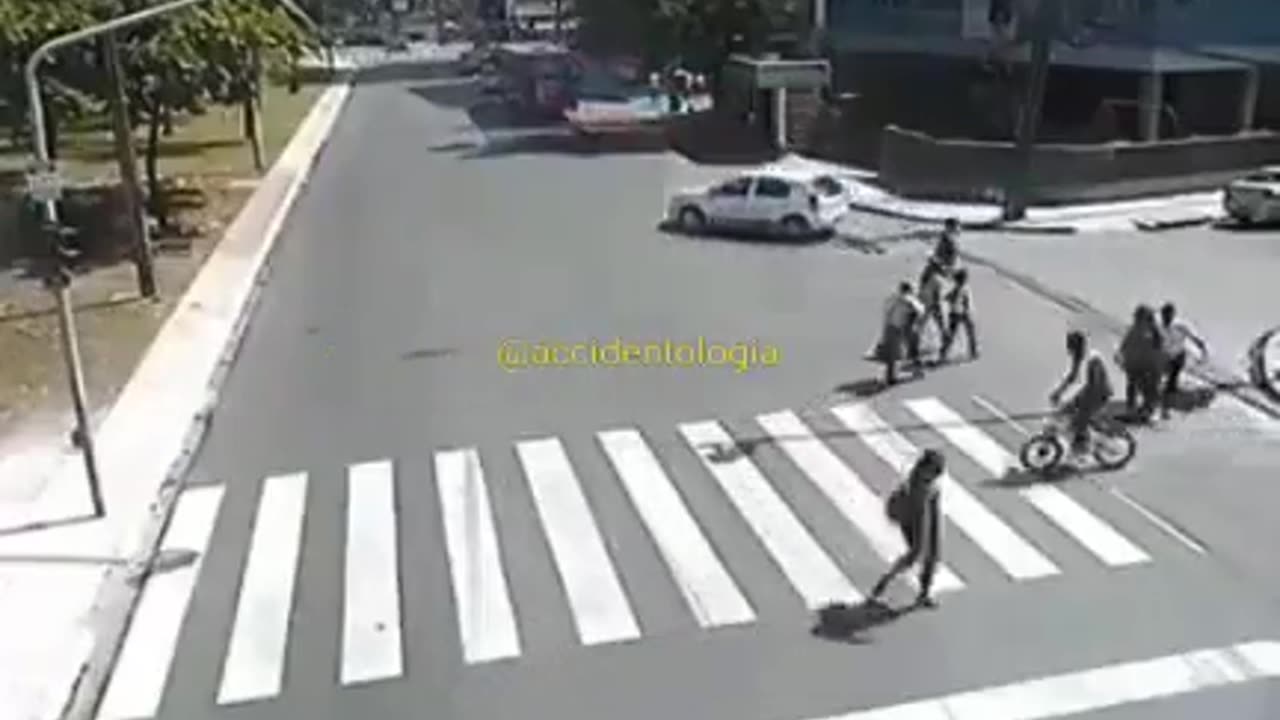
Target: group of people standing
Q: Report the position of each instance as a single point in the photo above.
(911, 308)
(1153, 354)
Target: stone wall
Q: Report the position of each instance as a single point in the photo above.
(913, 164)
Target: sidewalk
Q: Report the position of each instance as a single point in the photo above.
(1127, 215)
(64, 577)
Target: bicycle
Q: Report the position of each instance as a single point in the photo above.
(1111, 444)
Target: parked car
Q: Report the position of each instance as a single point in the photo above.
(1254, 198)
(795, 204)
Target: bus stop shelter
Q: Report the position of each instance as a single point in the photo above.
(759, 88)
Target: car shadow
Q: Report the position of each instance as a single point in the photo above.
(743, 237)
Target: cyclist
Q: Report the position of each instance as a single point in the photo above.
(1093, 393)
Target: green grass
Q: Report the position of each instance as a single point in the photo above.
(209, 145)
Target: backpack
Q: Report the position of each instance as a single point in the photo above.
(898, 505)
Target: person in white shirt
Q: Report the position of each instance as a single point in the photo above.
(1177, 336)
(902, 315)
(960, 303)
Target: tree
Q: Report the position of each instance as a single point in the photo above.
(68, 78)
(699, 34)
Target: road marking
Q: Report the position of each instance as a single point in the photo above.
(600, 607)
(142, 669)
(1018, 558)
(1095, 689)
(1070, 516)
(1001, 415)
(254, 665)
(708, 589)
(486, 620)
(1159, 522)
(371, 643)
(844, 489)
(811, 571)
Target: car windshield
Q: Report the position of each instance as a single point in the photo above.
(826, 186)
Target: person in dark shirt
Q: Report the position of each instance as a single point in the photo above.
(916, 507)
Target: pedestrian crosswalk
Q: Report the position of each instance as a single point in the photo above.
(850, 471)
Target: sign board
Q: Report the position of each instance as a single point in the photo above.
(791, 74)
(44, 184)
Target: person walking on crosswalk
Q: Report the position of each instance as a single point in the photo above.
(915, 506)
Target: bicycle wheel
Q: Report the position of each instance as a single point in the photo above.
(1113, 447)
(1041, 453)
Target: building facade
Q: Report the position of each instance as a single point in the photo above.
(1169, 67)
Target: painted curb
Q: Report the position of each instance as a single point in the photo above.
(1212, 375)
(1161, 225)
(117, 596)
(987, 225)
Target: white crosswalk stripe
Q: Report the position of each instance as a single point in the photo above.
(1010, 551)
(600, 606)
(1073, 518)
(811, 571)
(142, 668)
(845, 490)
(486, 620)
(589, 568)
(254, 665)
(371, 646)
(708, 589)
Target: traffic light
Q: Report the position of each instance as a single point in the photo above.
(64, 253)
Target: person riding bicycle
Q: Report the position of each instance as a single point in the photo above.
(1093, 393)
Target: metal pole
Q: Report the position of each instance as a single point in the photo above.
(1029, 123)
(62, 293)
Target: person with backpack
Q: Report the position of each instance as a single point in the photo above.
(915, 506)
(900, 331)
(1141, 355)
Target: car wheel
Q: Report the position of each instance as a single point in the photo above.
(692, 220)
(795, 226)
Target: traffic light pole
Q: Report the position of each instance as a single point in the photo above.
(59, 284)
(1043, 27)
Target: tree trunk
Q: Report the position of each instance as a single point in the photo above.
(123, 132)
(159, 203)
(559, 19)
(252, 113)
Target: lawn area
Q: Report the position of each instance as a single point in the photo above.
(115, 325)
(209, 145)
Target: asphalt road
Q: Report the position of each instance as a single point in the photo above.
(422, 244)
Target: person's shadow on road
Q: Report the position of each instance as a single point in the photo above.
(844, 622)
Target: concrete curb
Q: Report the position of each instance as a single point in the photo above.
(1214, 376)
(987, 225)
(1161, 225)
(118, 593)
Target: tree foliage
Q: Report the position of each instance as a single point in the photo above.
(696, 33)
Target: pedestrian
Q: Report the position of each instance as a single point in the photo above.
(1140, 355)
(1177, 336)
(960, 306)
(931, 297)
(915, 506)
(946, 253)
(902, 314)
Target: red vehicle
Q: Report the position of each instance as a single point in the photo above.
(537, 77)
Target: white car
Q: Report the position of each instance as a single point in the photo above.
(799, 205)
(1254, 198)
